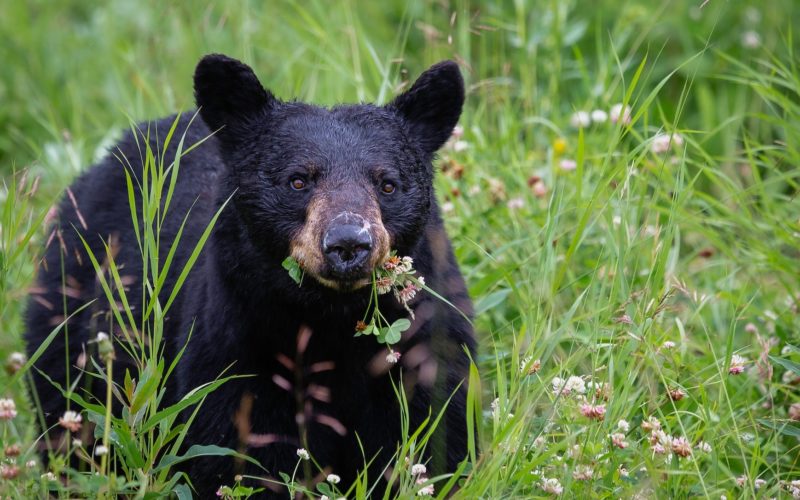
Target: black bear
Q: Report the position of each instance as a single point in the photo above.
(339, 190)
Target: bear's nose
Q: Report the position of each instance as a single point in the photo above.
(346, 247)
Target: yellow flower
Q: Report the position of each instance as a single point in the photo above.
(559, 146)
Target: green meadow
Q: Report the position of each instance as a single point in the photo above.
(621, 194)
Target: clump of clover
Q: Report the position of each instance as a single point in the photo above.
(396, 275)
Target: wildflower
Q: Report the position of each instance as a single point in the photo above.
(531, 368)
(659, 449)
(71, 421)
(660, 437)
(758, 483)
(474, 190)
(594, 412)
(418, 469)
(333, 479)
(567, 164)
(751, 328)
(624, 319)
(661, 142)
(703, 446)
(741, 481)
(302, 453)
(101, 450)
(567, 387)
(360, 326)
(676, 394)
(559, 146)
(599, 116)
(459, 146)
(393, 357)
(681, 446)
(651, 424)
(494, 406)
(384, 284)
(539, 442)
(324, 497)
(623, 472)
(104, 346)
(580, 119)
(794, 411)
(751, 39)
(552, 485)
(8, 410)
(9, 471)
(392, 263)
(15, 362)
(405, 265)
(12, 450)
(623, 425)
(425, 490)
(408, 292)
(737, 364)
(30, 464)
(619, 114)
(77, 443)
(668, 345)
(618, 440)
(497, 190)
(582, 473)
(515, 203)
(539, 189)
(49, 476)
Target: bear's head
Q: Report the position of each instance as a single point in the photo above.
(339, 188)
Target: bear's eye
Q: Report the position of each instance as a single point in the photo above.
(297, 183)
(388, 188)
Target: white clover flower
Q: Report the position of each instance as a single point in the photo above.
(77, 443)
(552, 485)
(618, 440)
(101, 337)
(582, 473)
(515, 203)
(427, 490)
(619, 115)
(49, 476)
(459, 146)
(8, 409)
(567, 164)
(580, 119)
(333, 479)
(759, 483)
(623, 425)
(751, 39)
(393, 357)
(101, 450)
(71, 421)
(575, 384)
(737, 364)
(302, 453)
(661, 142)
(599, 116)
(681, 446)
(704, 447)
(418, 469)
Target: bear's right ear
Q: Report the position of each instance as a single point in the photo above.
(229, 95)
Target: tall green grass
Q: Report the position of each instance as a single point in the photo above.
(587, 271)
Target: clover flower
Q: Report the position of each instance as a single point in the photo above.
(333, 479)
(8, 409)
(427, 490)
(302, 454)
(599, 116)
(393, 357)
(676, 394)
(623, 425)
(703, 446)
(101, 450)
(71, 421)
(618, 440)
(552, 485)
(661, 143)
(593, 412)
(580, 119)
(620, 114)
(418, 469)
(737, 364)
(681, 446)
(568, 164)
(582, 473)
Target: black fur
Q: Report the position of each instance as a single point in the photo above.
(240, 304)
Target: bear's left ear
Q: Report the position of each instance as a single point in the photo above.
(229, 95)
(432, 106)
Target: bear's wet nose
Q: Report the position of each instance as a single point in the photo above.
(346, 247)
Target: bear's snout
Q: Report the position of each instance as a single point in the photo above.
(347, 244)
